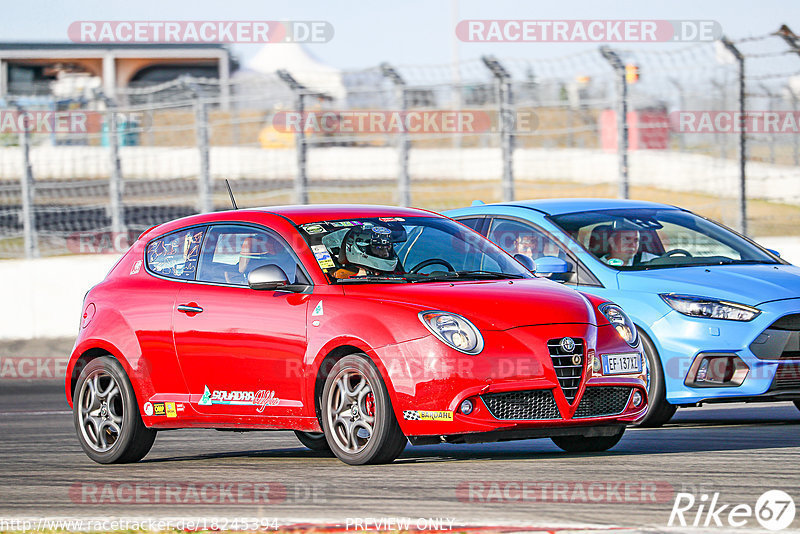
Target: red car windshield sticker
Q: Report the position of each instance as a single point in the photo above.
(314, 229)
(323, 256)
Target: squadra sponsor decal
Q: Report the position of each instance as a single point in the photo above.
(260, 399)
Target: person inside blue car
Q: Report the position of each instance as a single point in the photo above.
(623, 245)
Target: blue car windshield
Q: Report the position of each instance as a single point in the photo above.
(654, 238)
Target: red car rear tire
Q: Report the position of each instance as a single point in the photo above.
(106, 415)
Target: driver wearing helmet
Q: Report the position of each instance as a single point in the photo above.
(367, 251)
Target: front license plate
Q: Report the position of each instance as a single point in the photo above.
(618, 364)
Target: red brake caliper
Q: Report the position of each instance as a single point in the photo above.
(370, 404)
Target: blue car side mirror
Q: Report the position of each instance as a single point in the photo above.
(775, 252)
(553, 267)
(526, 262)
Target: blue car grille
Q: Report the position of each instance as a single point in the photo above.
(787, 376)
(603, 400)
(527, 405)
(780, 341)
(568, 373)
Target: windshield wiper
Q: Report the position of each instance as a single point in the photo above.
(372, 280)
(747, 262)
(464, 275)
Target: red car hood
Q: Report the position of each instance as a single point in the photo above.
(490, 305)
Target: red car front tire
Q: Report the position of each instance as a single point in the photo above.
(357, 414)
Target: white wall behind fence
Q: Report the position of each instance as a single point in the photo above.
(42, 298)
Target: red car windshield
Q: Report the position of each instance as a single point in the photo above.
(402, 250)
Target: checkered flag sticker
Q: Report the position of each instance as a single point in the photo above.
(411, 415)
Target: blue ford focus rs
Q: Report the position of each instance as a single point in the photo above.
(717, 314)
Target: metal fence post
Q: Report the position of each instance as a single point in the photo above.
(770, 107)
(681, 107)
(720, 138)
(742, 136)
(622, 118)
(403, 178)
(785, 33)
(301, 178)
(115, 184)
(27, 191)
(204, 185)
(795, 138)
(300, 91)
(506, 122)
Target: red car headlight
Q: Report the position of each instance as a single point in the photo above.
(453, 330)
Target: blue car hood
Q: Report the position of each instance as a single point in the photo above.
(747, 284)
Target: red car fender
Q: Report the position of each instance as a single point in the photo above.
(596, 301)
(107, 324)
(90, 343)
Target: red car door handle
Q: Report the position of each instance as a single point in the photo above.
(186, 308)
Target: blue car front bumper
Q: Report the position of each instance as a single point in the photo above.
(775, 375)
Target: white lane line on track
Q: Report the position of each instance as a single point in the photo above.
(22, 412)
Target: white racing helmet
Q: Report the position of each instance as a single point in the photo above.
(370, 247)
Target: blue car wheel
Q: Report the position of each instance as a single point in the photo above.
(660, 411)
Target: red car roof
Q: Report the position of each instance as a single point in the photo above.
(296, 214)
(322, 212)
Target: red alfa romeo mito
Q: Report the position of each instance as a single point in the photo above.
(358, 327)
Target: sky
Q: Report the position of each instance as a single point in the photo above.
(400, 32)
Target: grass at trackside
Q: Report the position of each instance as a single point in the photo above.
(766, 219)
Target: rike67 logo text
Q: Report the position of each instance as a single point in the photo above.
(774, 510)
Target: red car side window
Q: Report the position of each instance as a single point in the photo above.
(175, 255)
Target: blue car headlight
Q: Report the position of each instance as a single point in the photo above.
(710, 308)
(621, 322)
(453, 330)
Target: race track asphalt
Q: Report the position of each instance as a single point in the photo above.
(739, 451)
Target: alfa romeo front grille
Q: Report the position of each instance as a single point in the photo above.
(603, 400)
(534, 404)
(568, 365)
